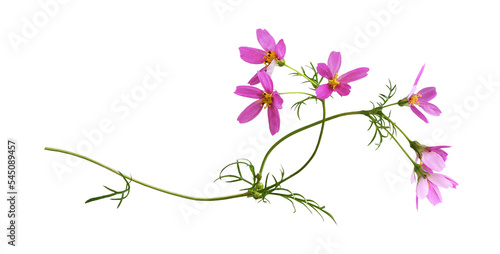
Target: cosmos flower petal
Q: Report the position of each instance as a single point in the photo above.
(274, 119)
(342, 89)
(414, 88)
(252, 55)
(265, 39)
(418, 113)
(422, 188)
(434, 195)
(249, 91)
(277, 100)
(453, 183)
(266, 81)
(427, 94)
(280, 49)
(439, 180)
(324, 71)
(433, 161)
(334, 62)
(250, 112)
(324, 91)
(430, 108)
(353, 75)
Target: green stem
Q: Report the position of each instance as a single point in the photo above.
(389, 105)
(245, 194)
(308, 79)
(397, 127)
(361, 112)
(298, 93)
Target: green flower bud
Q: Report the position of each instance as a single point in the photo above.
(280, 63)
(260, 186)
(403, 102)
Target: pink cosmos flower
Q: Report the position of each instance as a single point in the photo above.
(427, 187)
(336, 83)
(422, 99)
(433, 158)
(268, 56)
(265, 99)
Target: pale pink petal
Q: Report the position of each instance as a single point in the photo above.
(427, 94)
(342, 89)
(453, 183)
(250, 112)
(280, 49)
(270, 68)
(252, 55)
(277, 100)
(439, 150)
(249, 91)
(412, 178)
(414, 88)
(324, 91)
(418, 113)
(422, 188)
(434, 195)
(439, 180)
(266, 81)
(334, 62)
(324, 71)
(274, 119)
(430, 108)
(353, 75)
(433, 161)
(266, 41)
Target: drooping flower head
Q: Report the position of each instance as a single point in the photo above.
(265, 99)
(270, 53)
(430, 159)
(336, 83)
(422, 99)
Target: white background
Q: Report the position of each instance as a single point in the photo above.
(72, 70)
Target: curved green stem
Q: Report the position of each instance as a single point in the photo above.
(245, 194)
(308, 79)
(389, 105)
(298, 93)
(362, 112)
(397, 127)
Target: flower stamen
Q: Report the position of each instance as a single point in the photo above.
(269, 57)
(266, 101)
(333, 82)
(414, 99)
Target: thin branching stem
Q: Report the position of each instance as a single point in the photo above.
(244, 194)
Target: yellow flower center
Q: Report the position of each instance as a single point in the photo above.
(269, 57)
(414, 99)
(266, 101)
(333, 82)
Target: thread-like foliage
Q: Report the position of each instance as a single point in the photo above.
(123, 194)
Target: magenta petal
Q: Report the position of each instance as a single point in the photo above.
(250, 112)
(324, 71)
(433, 161)
(418, 113)
(430, 108)
(277, 100)
(427, 94)
(274, 119)
(249, 91)
(254, 80)
(266, 41)
(342, 89)
(434, 195)
(252, 55)
(441, 153)
(353, 75)
(334, 62)
(414, 88)
(422, 188)
(324, 91)
(453, 183)
(439, 180)
(280, 50)
(266, 81)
